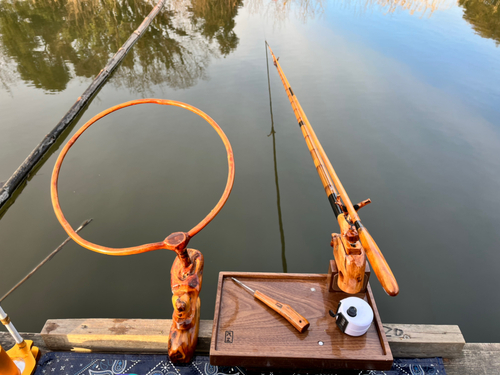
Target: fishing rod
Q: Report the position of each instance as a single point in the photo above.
(354, 244)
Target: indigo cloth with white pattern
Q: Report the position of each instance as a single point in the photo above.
(67, 363)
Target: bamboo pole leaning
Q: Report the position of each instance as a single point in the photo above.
(22, 173)
(49, 257)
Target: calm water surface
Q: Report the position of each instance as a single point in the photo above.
(404, 96)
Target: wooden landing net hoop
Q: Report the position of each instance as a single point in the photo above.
(176, 241)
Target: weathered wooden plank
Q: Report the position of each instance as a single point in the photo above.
(150, 335)
(422, 340)
(475, 359)
(117, 335)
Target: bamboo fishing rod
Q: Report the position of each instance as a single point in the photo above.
(355, 238)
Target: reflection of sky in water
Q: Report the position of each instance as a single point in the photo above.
(403, 96)
(74, 39)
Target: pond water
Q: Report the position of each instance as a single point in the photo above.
(404, 96)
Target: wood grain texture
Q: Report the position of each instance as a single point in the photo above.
(248, 335)
(186, 285)
(116, 335)
(378, 263)
(475, 359)
(350, 267)
(420, 340)
(333, 274)
(286, 311)
(176, 241)
(151, 335)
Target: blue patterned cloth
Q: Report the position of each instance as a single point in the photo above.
(67, 363)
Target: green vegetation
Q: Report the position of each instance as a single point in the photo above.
(52, 41)
(484, 16)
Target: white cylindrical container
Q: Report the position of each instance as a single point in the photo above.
(354, 316)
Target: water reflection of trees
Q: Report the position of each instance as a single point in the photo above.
(484, 16)
(414, 7)
(51, 41)
(281, 10)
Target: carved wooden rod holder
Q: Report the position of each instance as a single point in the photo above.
(349, 257)
(187, 269)
(185, 280)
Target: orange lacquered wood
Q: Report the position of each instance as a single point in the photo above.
(378, 263)
(152, 246)
(332, 183)
(311, 144)
(351, 267)
(186, 287)
(286, 311)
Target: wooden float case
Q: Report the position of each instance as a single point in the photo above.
(249, 334)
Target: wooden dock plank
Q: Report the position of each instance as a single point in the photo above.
(475, 359)
(150, 335)
(117, 335)
(421, 340)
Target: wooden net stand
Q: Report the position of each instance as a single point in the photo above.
(187, 269)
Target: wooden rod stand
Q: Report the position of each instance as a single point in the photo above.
(333, 275)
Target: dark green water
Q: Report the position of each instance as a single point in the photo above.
(405, 100)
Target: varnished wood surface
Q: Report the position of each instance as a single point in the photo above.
(333, 274)
(186, 286)
(474, 359)
(351, 267)
(246, 333)
(176, 241)
(285, 310)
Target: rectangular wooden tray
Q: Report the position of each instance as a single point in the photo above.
(248, 333)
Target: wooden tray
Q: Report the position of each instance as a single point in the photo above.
(248, 333)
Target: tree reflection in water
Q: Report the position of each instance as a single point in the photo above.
(52, 41)
(484, 16)
(281, 10)
(46, 43)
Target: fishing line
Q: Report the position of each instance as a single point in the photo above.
(278, 198)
